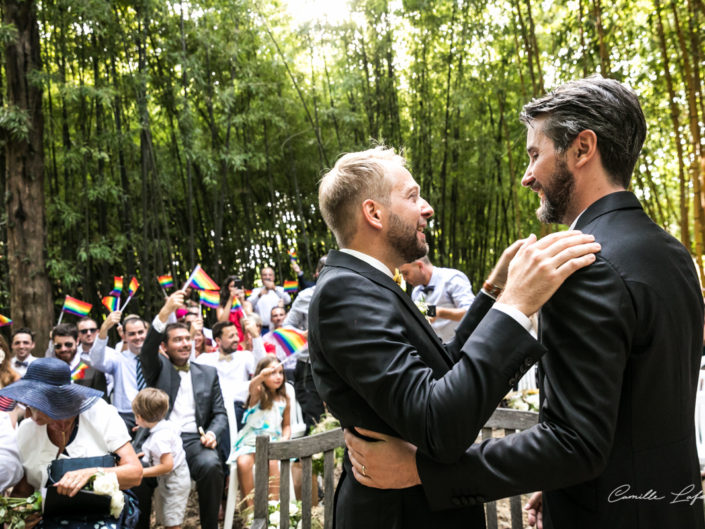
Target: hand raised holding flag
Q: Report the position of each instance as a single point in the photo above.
(111, 321)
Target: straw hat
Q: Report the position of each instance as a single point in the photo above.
(47, 387)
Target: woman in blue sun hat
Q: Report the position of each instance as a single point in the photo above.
(68, 421)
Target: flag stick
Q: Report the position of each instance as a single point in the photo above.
(126, 302)
(61, 315)
(190, 278)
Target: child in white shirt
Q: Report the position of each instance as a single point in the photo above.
(164, 452)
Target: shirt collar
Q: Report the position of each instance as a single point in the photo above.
(575, 222)
(375, 263)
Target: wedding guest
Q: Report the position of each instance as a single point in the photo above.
(67, 419)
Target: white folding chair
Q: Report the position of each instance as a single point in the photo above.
(296, 416)
(232, 480)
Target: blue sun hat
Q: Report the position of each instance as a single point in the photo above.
(47, 387)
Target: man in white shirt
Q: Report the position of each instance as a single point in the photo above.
(447, 290)
(22, 348)
(268, 296)
(124, 366)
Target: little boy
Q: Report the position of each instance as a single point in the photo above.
(164, 452)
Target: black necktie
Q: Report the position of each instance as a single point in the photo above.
(428, 289)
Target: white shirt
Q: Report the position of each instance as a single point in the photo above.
(100, 431)
(264, 305)
(233, 375)
(298, 317)
(22, 369)
(10, 464)
(163, 439)
(122, 366)
(446, 288)
(183, 414)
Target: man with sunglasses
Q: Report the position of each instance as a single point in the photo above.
(64, 339)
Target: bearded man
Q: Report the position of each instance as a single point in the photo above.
(376, 361)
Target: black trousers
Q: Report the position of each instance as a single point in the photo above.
(307, 394)
(206, 470)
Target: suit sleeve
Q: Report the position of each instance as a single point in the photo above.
(587, 328)
(219, 420)
(149, 356)
(479, 308)
(364, 337)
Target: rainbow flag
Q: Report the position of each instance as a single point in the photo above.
(290, 340)
(293, 256)
(133, 286)
(210, 298)
(4, 321)
(236, 305)
(79, 372)
(248, 293)
(202, 281)
(291, 286)
(117, 287)
(76, 307)
(111, 303)
(166, 281)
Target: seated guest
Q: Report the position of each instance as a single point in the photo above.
(87, 333)
(22, 343)
(10, 464)
(124, 366)
(8, 374)
(277, 317)
(64, 339)
(195, 404)
(73, 421)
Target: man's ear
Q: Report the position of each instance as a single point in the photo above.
(372, 213)
(585, 147)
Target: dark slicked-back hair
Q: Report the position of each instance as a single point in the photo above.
(22, 330)
(170, 327)
(604, 106)
(65, 329)
(219, 327)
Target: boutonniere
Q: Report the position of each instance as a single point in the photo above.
(421, 304)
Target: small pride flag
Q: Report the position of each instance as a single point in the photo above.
(235, 305)
(200, 280)
(4, 321)
(133, 286)
(117, 287)
(210, 298)
(293, 256)
(248, 293)
(166, 281)
(110, 303)
(291, 286)
(76, 307)
(79, 372)
(290, 340)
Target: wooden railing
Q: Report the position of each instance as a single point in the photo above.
(510, 421)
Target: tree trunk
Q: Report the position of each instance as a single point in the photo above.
(30, 291)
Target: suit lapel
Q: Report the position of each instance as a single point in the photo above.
(383, 280)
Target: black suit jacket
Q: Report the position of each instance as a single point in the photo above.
(378, 364)
(160, 373)
(615, 444)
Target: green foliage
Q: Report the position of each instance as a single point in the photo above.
(174, 137)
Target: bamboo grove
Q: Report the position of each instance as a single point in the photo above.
(184, 133)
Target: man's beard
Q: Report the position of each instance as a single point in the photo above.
(557, 194)
(404, 240)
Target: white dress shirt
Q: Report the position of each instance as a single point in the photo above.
(122, 366)
(22, 369)
(10, 464)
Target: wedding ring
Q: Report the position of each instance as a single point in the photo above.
(364, 471)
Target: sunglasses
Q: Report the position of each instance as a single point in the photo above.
(86, 331)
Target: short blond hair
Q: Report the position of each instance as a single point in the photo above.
(356, 177)
(151, 404)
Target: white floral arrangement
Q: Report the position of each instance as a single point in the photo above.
(524, 400)
(421, 304)
(106, 484)
(274, 507)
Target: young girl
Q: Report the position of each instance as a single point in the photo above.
(267, 414)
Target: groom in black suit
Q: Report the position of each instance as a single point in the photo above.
(195, 404)
(377, 363)
(615, 444)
